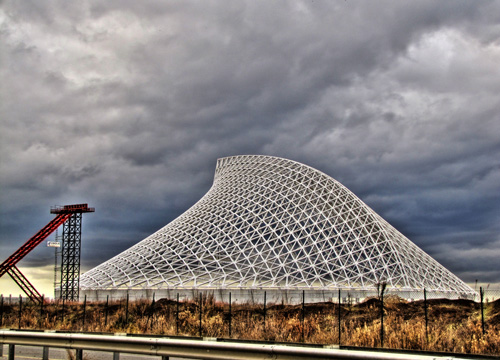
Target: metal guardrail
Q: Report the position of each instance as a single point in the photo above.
(194, 349)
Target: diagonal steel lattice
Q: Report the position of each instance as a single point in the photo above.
(269, 222)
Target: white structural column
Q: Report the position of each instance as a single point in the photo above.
(269, 223)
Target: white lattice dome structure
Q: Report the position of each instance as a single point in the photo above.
(272, 223)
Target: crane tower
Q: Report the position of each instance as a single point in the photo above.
(70, 216)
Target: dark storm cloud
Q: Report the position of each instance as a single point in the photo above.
(127, 106)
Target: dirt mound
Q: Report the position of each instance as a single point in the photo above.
(448, 302)
(166, 302)
(369, 303)
(494, 312)
(495, 306)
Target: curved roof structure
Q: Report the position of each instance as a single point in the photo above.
(269, 222)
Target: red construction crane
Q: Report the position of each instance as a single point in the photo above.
(9, 265)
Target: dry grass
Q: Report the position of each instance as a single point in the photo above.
(454, 326)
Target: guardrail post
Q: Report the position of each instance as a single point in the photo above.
(1, 350)
(164, 357)
(116, 356)
(12, 351)
(45, 353)
(79, 354)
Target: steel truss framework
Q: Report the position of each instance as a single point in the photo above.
(71, 250)
(269, 222)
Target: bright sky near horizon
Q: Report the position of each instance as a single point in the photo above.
(126, 105)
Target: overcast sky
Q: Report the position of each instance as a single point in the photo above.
(126, 105)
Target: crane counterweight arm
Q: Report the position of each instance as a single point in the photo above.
(32, 243)
(24, 284)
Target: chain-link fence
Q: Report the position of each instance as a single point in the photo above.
(255, 296)
(285, 296)
(421, 320)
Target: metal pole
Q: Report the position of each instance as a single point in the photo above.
(41, 311)
(201, 309)
(45, 353)
(106, 311)
(20, 310)
(1, 312)
(177, 317)
(84, 311)
(265, 311)
(340, 299)
(12, 351)
(62, 316)
(303, 313)
(152, 312)
(230, 315)
(126, 311)
(426, 318)
(79, 354)
(382, 318)
(481, 293)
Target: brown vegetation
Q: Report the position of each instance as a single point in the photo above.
(453, 325)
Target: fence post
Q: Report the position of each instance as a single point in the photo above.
(41, 311)
(20, 310)
(426, 319)
(303, 313)
(340, 300)
(481, 294)
(382, 316)
(177, 317)
(84, 311)
(106, 311)
(201, 309)
(230, 315)
(265, 311)
(126, 311)
(63, 305)
(151, 314)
